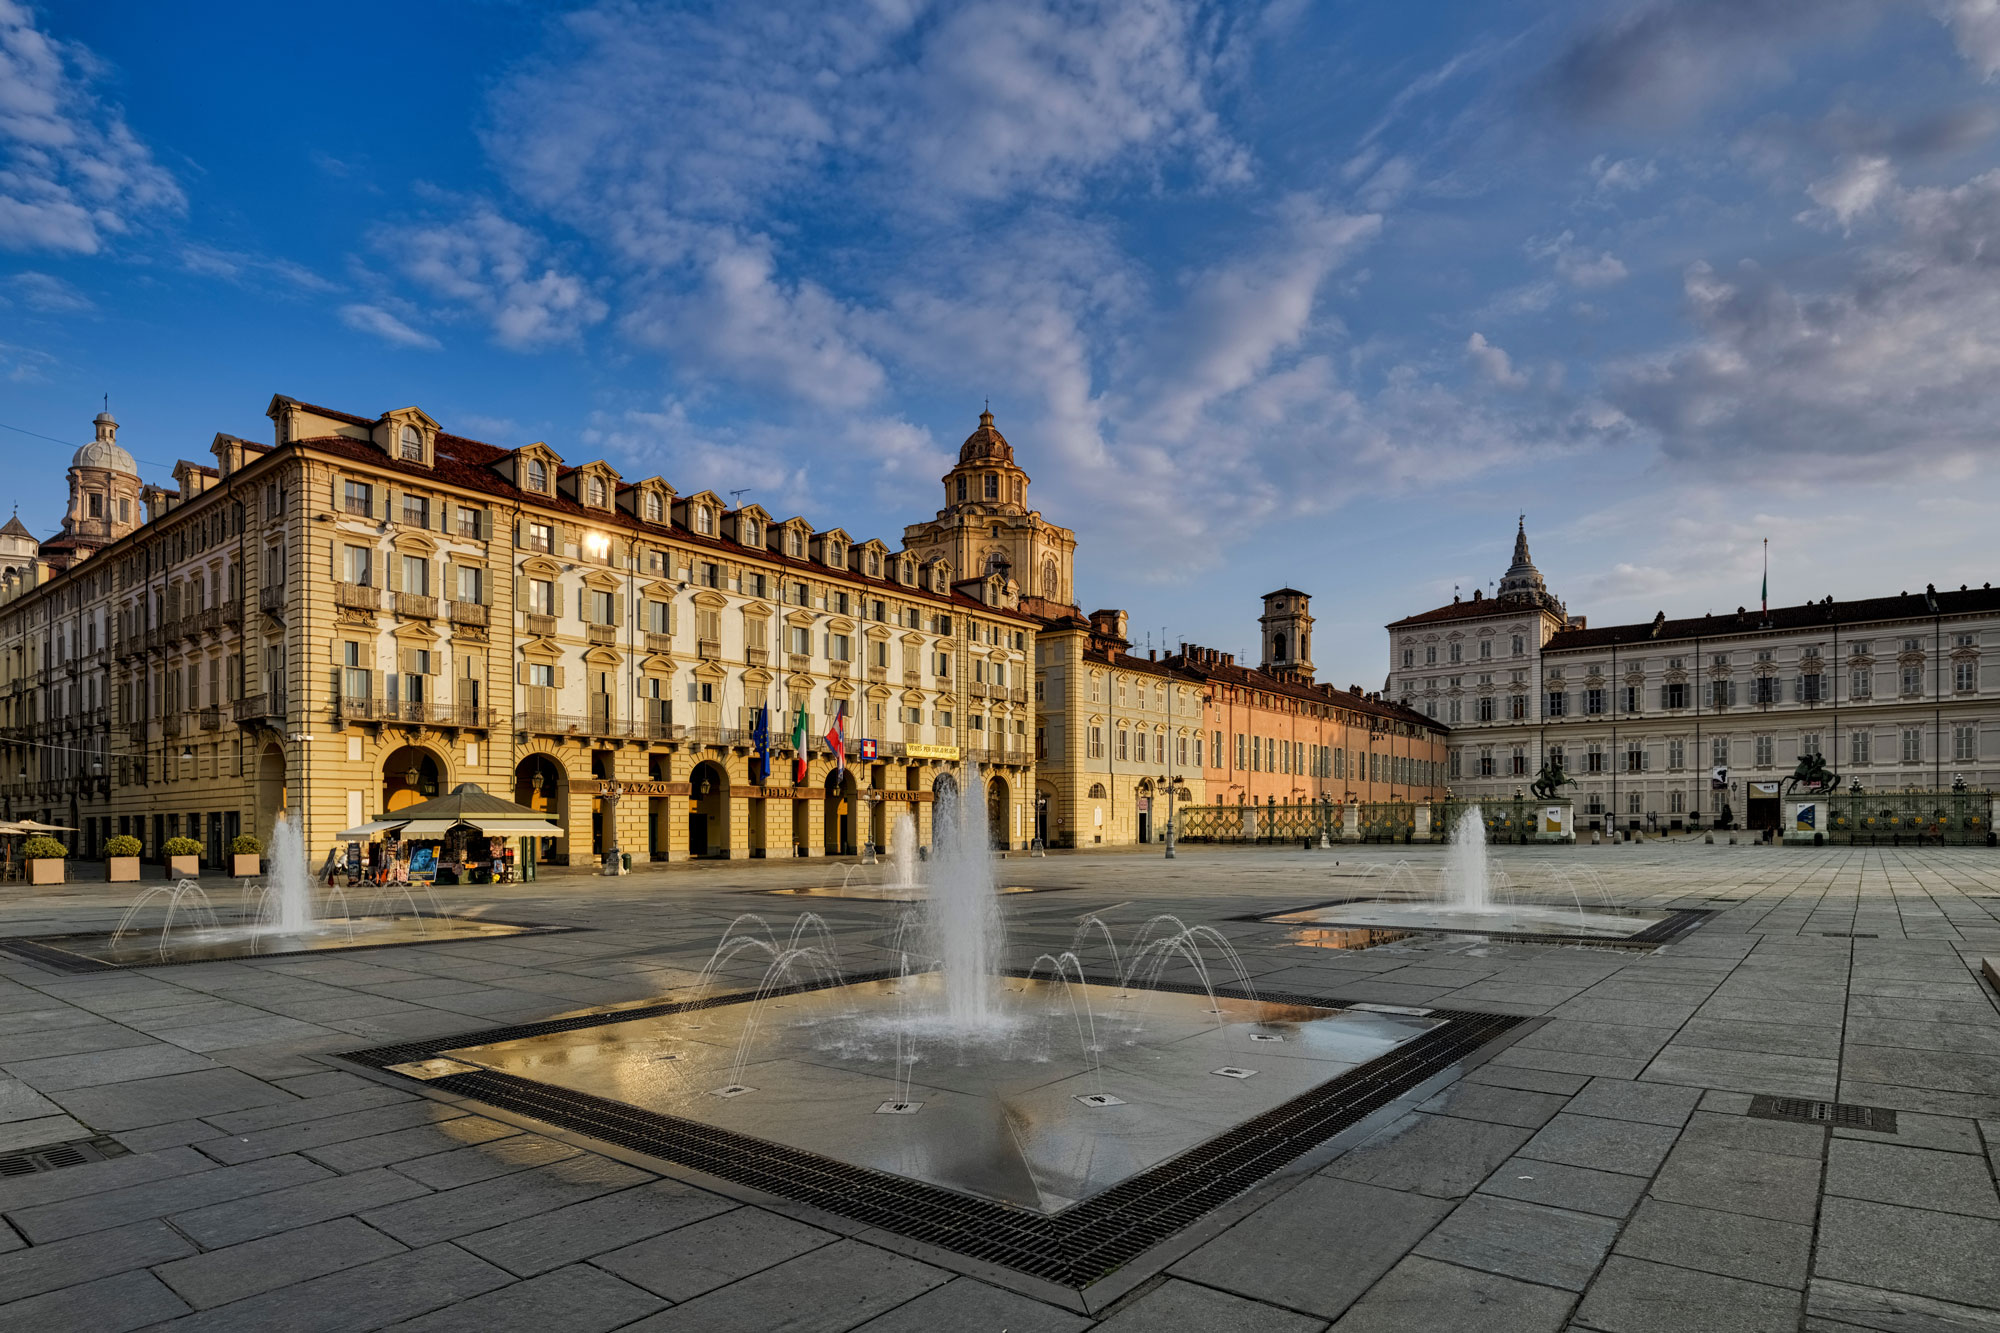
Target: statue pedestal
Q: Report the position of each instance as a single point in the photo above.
(1555, 821)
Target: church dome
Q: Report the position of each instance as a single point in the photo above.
(986, 444)
(103, 452)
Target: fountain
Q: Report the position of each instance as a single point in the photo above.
(1474, 896)
(903, 854)
(278, 916)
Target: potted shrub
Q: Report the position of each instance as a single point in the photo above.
(44, 856)
(246, 855)
(183, 857)
(121, 859)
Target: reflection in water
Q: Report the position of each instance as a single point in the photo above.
(1345, 937)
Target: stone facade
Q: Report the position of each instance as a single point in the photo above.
(1663, 723)
(372, 610)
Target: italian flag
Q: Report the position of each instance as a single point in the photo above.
(799, 748)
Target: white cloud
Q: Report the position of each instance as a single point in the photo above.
(1620, 175)
(1854, 189)
(243, 268)
(1577, 265)
(1493, 363)
(379, 322)
(45, 292)
(499, 270)
(72, 174)
(1975, 27)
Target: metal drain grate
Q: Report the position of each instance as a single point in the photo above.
(1840, 1115)
(1848, 935)
(55, 1156)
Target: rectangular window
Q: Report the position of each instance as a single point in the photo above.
(1593, 701)
(598, 606)
(839, 647)
(1676, 694)
(1457, 764)
(1913, 680)
(416, 511)
(1557, 699)
(1097, 742)
(1594, 759)
(1764, 690)
(1409, 657)
(1861, 684)
(1764, 751)
(468, 521)
(417, 575)
(1965, 676)
(1517, 707)
(1913, 745)
(359, 565)
(471, 583)
(1520, 762)
(358, 497)
(1964, 744)
(798, 640)
(1242, 752)
(1123, 737)
(1631, 698)
(1485, 708)
(1486, 763)
(541, 597)
(540, 536)
(1857, 747)
(1635, 758)
(1676, 754)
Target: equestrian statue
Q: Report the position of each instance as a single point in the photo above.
(1551, 780)
(1813, 774)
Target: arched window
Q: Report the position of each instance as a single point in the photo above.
(794, 544)
(749, 531)
(1277, 647)
(1049, 584)
(704, 519)
(654, 508)
(836, 555)
(538, 475)
(597, 492)
(1096, 791)
(413, 444)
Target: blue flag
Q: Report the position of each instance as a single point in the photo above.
(761, 739)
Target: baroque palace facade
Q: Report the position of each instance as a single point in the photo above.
(371, 610)
(1664, 723)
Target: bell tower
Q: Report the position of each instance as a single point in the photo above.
(1287, 622)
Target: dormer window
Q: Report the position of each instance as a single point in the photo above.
(412, 445)
(704, 519)
(597, 492)
(794, 544)
(874, 565)
(749, 531)
(654, 507)
(836, 555)
(538, 475)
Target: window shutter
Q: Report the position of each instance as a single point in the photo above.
(521, 673)
(450, 589)
(617, 610)
(520, 532)
(1732, 692)
(1663, 696)
(559, 677)
(581, 607)
(389, 499)
(338, 496)
(395, 571)
(333, 560)
(485, 528)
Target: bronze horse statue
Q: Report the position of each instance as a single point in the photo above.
(1551, 780)
(1813, 774)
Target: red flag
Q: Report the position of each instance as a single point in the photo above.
(836, 740)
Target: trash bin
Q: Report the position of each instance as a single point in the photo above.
(528, 872)
(626, 857)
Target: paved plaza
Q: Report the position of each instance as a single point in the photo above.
(1600, 1170)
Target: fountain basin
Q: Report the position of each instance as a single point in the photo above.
(892, 893)
(146, 947)
(1553, 922)
(997, 1118)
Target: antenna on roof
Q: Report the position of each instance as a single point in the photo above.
(737, 496)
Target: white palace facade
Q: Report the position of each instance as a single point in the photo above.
(1665, 723)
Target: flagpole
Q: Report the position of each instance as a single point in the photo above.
(1765, 594)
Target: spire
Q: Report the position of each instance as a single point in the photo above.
(1522, 581)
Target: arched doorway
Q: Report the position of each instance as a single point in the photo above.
(708, 811)
(1042, 802)
(410, 774)
(838, 834)
(1142, 807)
(270, 791)
(999, 808)
(540, 783)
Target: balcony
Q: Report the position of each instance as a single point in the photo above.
(170, 725)
(271, 600)
(211, 719)
(210, 621)
(839, 669)
(659, 643)
(260, 707)
(364, 708)
(977, 689)
(593, 725)
(466, 613)
(757, 657)
(602, 634)
(709, 650)
(543, 627)
(416, 606)
(357, 597)
(799, 663)
(232, 613)
(911, 679)
(879, 675)
(1018, 695)
(709, 734)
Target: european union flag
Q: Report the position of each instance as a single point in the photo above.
(761, 739)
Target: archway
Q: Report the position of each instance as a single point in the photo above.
(999, 810)
(270, 806)
(1043, 799)
(540, 783)
(708, 810)
(410, 774)
(944, 787)
(838, 834)
(1142, 808)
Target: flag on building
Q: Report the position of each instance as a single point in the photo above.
(760, 740)
(836, 738)
(1764, 593)
(1718, 778)
(799, 756)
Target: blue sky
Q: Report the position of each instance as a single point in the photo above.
(1308, 294)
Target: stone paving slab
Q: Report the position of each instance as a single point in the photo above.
(1600, 1173)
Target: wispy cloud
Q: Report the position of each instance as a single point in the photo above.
(373, 319)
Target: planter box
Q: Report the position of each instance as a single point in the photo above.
(121, 869)
(183, 867)
(245, 864)
(45, 870)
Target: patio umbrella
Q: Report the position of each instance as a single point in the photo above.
(35, 826)
(468, 804)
